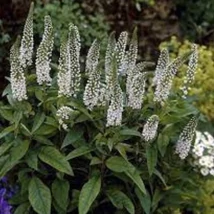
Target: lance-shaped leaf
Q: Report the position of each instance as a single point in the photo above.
(88, 194)
(121, 200)
(118, 164)
(54, 158)
(60, 191)
(39, 196)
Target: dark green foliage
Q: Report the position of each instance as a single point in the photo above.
(196, 17)
(91, 25)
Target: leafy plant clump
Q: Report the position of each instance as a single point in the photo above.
(99, 141)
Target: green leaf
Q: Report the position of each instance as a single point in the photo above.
(32, 159)
(134, 175)
(39, 95)
(121, 200)
(117, 164)
(60, 191)
(43, 140)
(156, 172)
(23, 208)
(38, 121)
(72, 136)
(39, 196)
(45, 129)
(5, 146)
(6, 131)
(79, 152)
(95, 160)
(15, 154)
(162, 142)
(81, 108)
(151, 156)
(88, 194)
(7, 90)
(121, 148)
(25, 130)
(58, 209)
(6, 114)
(157, 196)
(19, 149)
(17, 116)
(54, 158)
(145, 200)
(130, 132)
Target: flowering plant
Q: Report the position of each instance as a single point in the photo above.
(94, 141)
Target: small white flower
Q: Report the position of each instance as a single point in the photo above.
(212, 172)
(203, 153)
(63, 114)
(150, 128)
(198, 150)
(204, 171)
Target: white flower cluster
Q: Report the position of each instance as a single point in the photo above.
(43, 55)
(115, 110)
(126, 59)
(120, 49)
(135, 86)
(164, 77)
(69, 68)
(185, 139)
(64, 73)
(192, 65)
(92, 58)
(203, 153)
(74, 59)
(136, 80)
(92, 91)
(63, 115)
(150, 128)
(26, 49)
(132, 53)
(114, 94)
(162, 63)
(18, 81)
(108, 66)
